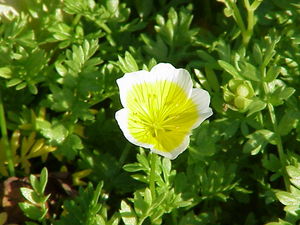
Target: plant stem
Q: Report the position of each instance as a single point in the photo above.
(281, 154)
(278, 140)
(237, 16)
(246, 31)
(152, 174)
(9, 155)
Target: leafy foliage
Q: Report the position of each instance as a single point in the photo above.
(88, 208)
(59, 62)
(35, 208)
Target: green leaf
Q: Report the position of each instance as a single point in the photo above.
(230, 69)
(207, 57)
(287, 92)
(294, 173)
(5, 72)
(128, 64)
(256, 106)
(257, 53)
(56, 133)
(288, 122)
(21, 86)
(13, 82)
(166, 167)
(249, 71)
(280, 94)
(30, 195)
(272, 73)
(148, 196)
(270, 51)
(258, 141)
(70, 146)
(34, 183)
(144, 8)
(127, 214)
(85, 208)
(280, 222)
(32, 211)
(140, 205)
(212, 79)
(133, 167)
(287, 198)
(271, 162)
(43, 180)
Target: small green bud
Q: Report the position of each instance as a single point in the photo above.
(238, 94)
(242, 90)
(239, 102)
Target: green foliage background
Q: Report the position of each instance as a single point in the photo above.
(59, 60)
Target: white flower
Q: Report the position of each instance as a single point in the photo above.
(161, 107)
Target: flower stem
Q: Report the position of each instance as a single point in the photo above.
(152, 174)
(9, 155)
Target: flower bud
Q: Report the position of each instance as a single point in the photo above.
(238, 94)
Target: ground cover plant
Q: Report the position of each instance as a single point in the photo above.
(63, 158)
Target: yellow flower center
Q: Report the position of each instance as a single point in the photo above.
(160, 114)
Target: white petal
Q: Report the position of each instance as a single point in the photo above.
(173, 154)
(202, 99)
(126, 82)
(122, 119)
(162, 71)
(165, 71)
